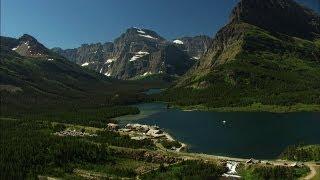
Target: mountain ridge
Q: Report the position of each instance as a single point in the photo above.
(248, 64)
(40, 79)
(137, 53)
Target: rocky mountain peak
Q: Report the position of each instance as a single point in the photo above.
(30, 47)
(136, 53)
(283, 16)
(27, 38)
(139, 34)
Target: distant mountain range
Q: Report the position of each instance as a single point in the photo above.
(138, 53)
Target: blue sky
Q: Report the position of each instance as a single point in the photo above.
(70, 23)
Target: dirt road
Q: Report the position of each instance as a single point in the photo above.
(313, 171)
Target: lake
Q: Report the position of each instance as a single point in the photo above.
(153, 91)
(235, 134)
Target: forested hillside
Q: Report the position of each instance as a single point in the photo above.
(249, 63)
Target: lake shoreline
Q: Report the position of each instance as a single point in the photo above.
(225, 126)
(254, 108)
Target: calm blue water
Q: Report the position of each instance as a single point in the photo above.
(153, 91)
(245, 135)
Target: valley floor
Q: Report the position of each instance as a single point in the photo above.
(130, 161)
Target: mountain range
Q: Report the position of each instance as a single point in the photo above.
(268, 53)
(34, 77)
(138, 53)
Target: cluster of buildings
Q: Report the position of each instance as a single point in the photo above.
(152, 131)
(73, 133)
(295, 164)
(140, 132)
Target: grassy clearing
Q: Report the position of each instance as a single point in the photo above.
(121, 168)
(95, 117)
(187, 170)
(87, 129)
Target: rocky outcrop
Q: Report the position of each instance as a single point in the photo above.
(70, 54)
(28, 46)
(194, 46)
(87, 53)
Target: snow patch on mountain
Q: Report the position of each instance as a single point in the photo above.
(140, 31)
(147, 73)
(177, 41)
(85, 64)
(147, 36)
(139, 55)
(110, 60)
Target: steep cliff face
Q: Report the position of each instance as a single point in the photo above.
(270, 24)
(194, 46)
(70, 54)
(136, 53)
(87, 53)
(282, 16)
(261, 53)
